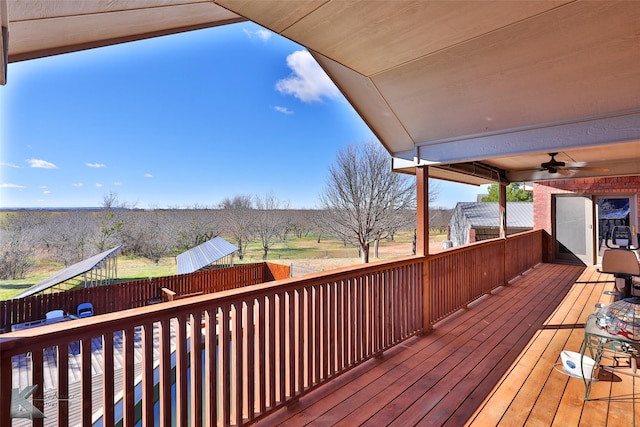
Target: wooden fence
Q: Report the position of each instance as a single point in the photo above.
(126, 295)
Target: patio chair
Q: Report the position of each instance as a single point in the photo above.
(54, 315)
(85, 309)
(624, 266)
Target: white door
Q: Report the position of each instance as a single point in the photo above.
(573, 229)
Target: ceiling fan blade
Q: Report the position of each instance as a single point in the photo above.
(528, 170)
(564, 171)
(588, 168)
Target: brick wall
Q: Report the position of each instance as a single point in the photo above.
(543, 191)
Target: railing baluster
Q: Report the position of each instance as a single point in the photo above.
(107, 379)
(281, 341)
(63, 384)
(37, 379)
(238, 363)
(262, 349)
(224, 346)
(128, 399)
(164, 373)
(317, 352)
(85, 369)
(181, 371)
(340, 319)
(271, 363)
(210, 377)
(147, 375)
(291, 344)
(301, 339)
(250, 345)
(331, 328)
(195, 368)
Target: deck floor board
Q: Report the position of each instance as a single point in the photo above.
(494, 363)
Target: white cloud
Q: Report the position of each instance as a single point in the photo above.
(117, 183)
(148, 175)
(10, 185)
(9, 165)
(96, 165)
(77, 184)
(307, 82)
(43, 164)
(283, 110)
(46, 192)
(261, 34)
(98, 184)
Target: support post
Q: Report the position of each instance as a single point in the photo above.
(422, 240)
(422, 210)
(503, 228)
(503, 211)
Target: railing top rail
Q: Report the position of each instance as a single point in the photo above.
(488, 242)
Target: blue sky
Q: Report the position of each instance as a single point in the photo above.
(176, 121)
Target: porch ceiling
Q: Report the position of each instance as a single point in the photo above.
(483, 82)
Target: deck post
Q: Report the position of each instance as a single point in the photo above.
(502, 217)
(503, 210)
(422, 210)
(422, 238)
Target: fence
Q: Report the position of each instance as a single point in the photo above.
(126, 295)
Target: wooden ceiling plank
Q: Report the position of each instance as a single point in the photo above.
(538, 72)
(32, 39)
(353, 32)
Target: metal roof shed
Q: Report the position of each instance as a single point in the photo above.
(474, 221)
(103, 268)
(210, 252)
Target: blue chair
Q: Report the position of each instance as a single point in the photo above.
(85, 309)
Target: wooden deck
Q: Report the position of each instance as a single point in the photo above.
(490, 364)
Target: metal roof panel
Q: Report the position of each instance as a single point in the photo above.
(202, 255)
(69, 273)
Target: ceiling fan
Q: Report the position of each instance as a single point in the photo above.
(556, 166)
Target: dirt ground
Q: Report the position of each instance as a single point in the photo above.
(389, 251)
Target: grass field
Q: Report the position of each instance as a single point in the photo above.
(304, 252)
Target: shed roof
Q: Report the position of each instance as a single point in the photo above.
(202, 255)
(70, 272)
(486, 214)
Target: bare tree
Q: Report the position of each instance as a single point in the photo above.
(363, 196)
(110, 222)
(195, 226)
(17, 242)
(68, 235)
(237, 221)
(152, 234)
(271, 220)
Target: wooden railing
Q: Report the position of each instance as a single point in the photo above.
(461, 275)
(235, 355)
(126, 295)
(522, 251)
